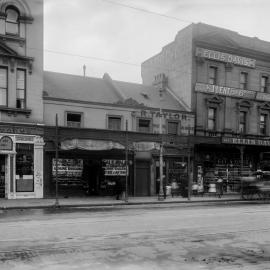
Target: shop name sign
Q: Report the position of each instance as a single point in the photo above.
(224, 91)
(246, 141)
(113, 167)
(226, 57)
(166, 115)
(6, 144)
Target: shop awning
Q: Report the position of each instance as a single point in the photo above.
(94, 145)
(145, 146)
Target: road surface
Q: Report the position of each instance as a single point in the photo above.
(207, 237)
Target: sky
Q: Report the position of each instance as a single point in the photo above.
(116, 36)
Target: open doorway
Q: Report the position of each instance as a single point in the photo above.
(2, 176)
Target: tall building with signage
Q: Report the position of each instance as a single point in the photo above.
(224, 78)
(109, 130)
(21, 105)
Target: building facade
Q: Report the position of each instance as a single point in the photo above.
(109, 129)
(224, 78)
(21, 105)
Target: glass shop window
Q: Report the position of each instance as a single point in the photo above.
(24, 167)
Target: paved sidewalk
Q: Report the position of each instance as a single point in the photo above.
(111, 202)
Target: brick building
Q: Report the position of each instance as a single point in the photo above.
(21, 105)
(224, 78)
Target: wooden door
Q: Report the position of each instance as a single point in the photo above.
(142, 181)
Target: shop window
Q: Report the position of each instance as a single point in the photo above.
(12, 21)
(24, 167)
(242, 122)
(212, 78)
(144, 125)
(21, 89)
(264, 84)
(263, 125)
(114, 122)
(74, 119)
(211, 124)
(3, 86)
(172, 127)
(243, 80)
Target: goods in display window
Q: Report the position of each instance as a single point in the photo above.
(24, 167)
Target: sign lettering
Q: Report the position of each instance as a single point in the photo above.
(226, 57)
(224, 91)
(233, 140)
(6, 143)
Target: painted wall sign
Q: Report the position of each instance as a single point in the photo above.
(164, 114)
(224, 91)
(263, 96)
(114, 167)
(226, 57)
(246, 141)
(6, 143)
(21, 130)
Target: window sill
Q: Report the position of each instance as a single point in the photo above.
(11, 37)
(15, 111)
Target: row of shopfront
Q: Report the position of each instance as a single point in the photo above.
(89, 166)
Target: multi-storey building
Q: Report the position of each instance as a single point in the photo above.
(21, 105)
(224, 78)
(102, 124)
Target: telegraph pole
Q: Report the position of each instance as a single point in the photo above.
(56, 161)
(126, 156)
(161, 192)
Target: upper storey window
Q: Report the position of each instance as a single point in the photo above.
(264, 84)
(243, 80)
(12, 21)
(212, 78)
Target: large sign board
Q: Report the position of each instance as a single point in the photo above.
(242, 141)
(226, 57)
(114, 167)
(224, 91)
(263, 96)
(6, 143)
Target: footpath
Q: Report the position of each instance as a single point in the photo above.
(111, 202)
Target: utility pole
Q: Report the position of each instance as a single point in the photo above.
(161, 192)
(56, 161)
(126, 156)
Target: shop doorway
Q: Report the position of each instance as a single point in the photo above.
(142, 185)
(90, 176)
(2, 176)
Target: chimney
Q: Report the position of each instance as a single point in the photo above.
(160, 82)
(84, 70)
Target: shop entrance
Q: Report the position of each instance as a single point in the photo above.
(2, 175)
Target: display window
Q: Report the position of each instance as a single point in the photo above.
(24, 167)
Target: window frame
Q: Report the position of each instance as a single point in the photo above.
(76, 113)
(266, 124)
(244, 131)
(17, 23)
(146, 119)
(266, 86)
(178, 126)
(214, 118)
(24, 90)
(120, 117)
(6, 89)
(246, 83)
(215, 78)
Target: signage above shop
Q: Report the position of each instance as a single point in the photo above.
(263, 96)
(146, 146)
(114, 167)
(224, 91)
(21, 130)
(226, 57)
(164, 114)
(6, 143)
(243, 141)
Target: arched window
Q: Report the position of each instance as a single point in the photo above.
(12, 21)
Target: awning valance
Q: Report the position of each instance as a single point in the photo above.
(94, 145)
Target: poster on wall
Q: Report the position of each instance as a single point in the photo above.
(114, 167)
(68, 169)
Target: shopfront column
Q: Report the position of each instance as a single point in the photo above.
(38, 166)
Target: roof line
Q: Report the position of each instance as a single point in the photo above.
(178, 99)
